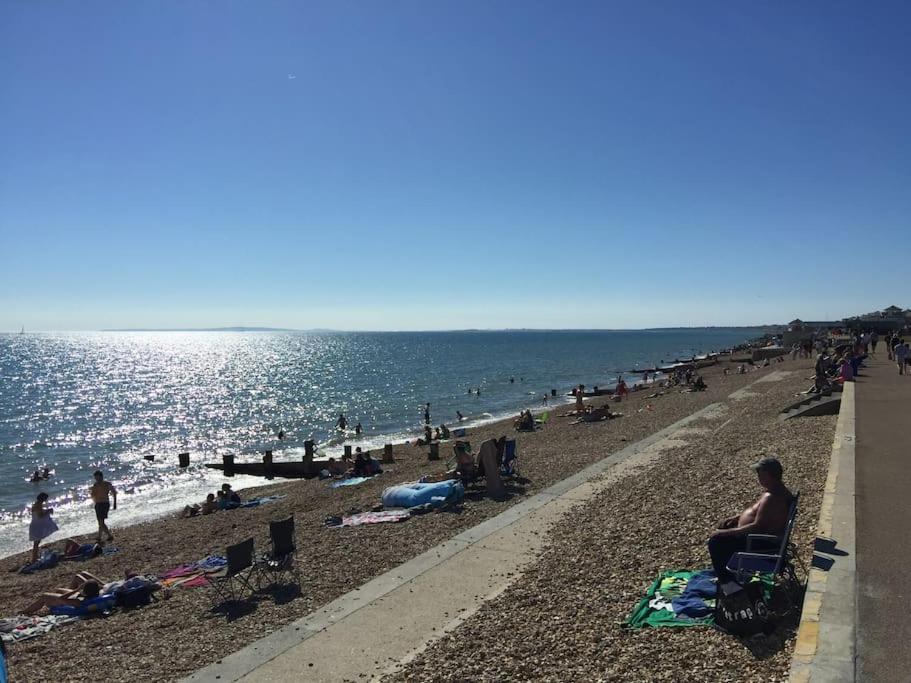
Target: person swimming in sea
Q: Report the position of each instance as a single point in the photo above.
(342, 423)
(460, 416)
(358, 429)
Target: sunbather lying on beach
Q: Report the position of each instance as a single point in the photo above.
(74, 550)
(595, 415)
(83, 587)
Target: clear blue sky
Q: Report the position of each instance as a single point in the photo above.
(424, 165)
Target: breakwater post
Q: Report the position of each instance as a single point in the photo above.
(347, 451)
(308, 451)
(434, 453)
(228, 462)
(183, 460)
(267, 464)
(387, 454)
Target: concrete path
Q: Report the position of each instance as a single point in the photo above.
(825, 650)
(389, 620)
(883, 473)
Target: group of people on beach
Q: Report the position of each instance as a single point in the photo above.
(362, 465)
(223, 499)
(441, 433)
(42, 523)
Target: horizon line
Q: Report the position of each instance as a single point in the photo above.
(321, 330)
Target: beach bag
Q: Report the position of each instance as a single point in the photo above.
(135, 596)
(742, 610)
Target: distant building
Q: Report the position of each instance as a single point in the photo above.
(886, 320)
(804, 330)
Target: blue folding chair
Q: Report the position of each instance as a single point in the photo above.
(510, 465)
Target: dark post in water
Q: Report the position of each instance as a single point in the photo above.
(347, 451)
(387, 454)
(183, 460)
(228, 461)
(308, 451)
(267, 464)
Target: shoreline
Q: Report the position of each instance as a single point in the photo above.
(76, 518)
(332, 561)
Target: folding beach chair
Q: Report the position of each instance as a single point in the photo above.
(279, 563)
(776, 558)
(510, 465)
(237, 577)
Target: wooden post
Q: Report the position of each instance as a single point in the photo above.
(150, 458)
(387, 454)
(267, 462)
(228, 461)
(308, 450)
(183, 460)
(553, 392)
(347, 451)
(434, 451)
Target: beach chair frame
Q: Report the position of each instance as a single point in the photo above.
(279, 563)
(237, 581)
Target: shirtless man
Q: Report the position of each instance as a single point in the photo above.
(102, 491)
(768, 515)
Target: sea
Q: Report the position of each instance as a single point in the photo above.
(128, 402)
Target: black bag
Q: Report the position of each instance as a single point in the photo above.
(742, 610)
(135, 596)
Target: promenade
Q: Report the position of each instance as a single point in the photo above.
(883, 509)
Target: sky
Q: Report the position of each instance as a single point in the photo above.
(442, 165)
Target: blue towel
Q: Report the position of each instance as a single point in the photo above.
(701, 585)
(48, 559)
(351, 481)
(699, 588)
(692, 606)
(255, 502)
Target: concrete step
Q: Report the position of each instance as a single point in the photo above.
(822, 405)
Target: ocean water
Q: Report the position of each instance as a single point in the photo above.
(77, 402)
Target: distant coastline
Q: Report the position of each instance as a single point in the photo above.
(768, 328)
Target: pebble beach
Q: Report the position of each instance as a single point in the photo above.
(562, 620)
(559, 623)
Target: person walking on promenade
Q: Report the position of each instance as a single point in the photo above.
(874, 340)
(42, 525)
(102, 491)
(901, 354)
